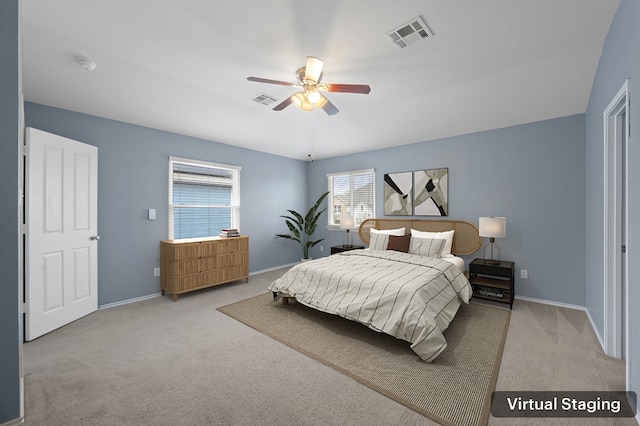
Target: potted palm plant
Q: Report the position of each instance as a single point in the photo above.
(302, 227)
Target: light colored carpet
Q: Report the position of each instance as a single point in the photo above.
(158, 362)
(455, 389)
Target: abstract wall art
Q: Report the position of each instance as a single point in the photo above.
(398, 194)
(431, 192)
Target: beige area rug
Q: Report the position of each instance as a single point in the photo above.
(455, 389)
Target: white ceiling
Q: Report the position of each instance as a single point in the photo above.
(181, 66)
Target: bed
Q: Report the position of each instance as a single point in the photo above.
(408, 283)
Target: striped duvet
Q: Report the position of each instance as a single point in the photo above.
(413, 298)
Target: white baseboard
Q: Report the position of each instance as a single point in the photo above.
(273, 269)
(551, 302)
(18, 421)
(126, 302)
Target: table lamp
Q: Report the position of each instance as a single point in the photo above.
(492, 227)
(346, 223)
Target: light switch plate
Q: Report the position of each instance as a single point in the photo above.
(152, 214)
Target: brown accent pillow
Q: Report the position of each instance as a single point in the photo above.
(399, 243)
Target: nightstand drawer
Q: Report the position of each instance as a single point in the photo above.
(504, 269)
(490, 270)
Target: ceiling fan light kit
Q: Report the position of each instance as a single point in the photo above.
(309, 79)
(302, 101)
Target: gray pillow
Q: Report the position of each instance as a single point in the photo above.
(379, 241)
(429, 247)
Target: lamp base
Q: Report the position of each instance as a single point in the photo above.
(347, 239)
(491, 252)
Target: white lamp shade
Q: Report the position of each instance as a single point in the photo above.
(493, 227)
(346, 221)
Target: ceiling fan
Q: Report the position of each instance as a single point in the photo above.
(309, 78)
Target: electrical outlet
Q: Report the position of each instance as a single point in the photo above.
(156, 272)
(524, 274)
(321, 248)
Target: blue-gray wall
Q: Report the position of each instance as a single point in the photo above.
(9, 313)
(533, 174)
(133, 167)
(620, 60)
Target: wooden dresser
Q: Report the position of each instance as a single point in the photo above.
(192, 264)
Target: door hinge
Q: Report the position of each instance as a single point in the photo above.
(25, 150)
(24, 228)
(25, 308)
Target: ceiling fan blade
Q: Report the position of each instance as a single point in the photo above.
(327, 106)
(349, 88)
(313, 69)
(282, 105)
(266, 80)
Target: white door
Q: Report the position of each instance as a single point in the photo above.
(61, 180)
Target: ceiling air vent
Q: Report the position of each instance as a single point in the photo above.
(264, 99)
(409, 33)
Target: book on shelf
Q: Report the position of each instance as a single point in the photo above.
(491, 292)
(229, 232)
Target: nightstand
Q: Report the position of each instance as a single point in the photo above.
(493, 282)
(340, 249)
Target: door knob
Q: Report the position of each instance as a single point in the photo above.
(94, 237)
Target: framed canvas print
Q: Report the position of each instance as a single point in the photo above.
(431, 192)
(398, 198)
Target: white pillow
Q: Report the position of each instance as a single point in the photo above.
(379, 241)
(446, 235)
(399, 231)
(429, 247)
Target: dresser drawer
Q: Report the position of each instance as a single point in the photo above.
(191, 250)
(233, 245)
(185, 267)
(231, 259)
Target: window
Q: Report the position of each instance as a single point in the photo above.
(204, 198)
(351, 193)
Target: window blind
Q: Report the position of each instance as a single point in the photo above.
(351, 193)
(203, 199)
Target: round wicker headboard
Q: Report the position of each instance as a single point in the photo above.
(466, 239)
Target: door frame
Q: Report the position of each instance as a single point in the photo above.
(616, 139)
